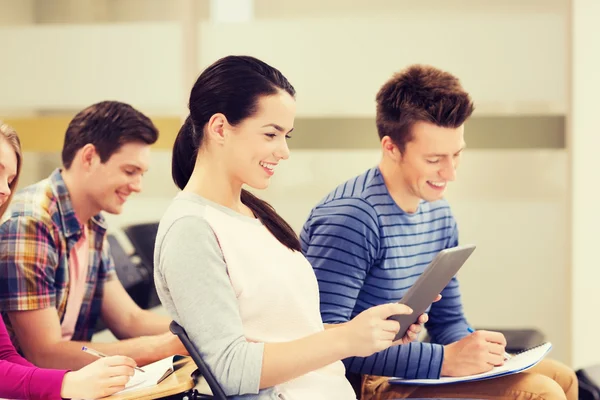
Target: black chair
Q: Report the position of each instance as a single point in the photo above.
(142, 238)
(356, 382)
(517, 340)
(135, 278)
(217, 390)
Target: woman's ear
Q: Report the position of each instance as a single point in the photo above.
(215, 128)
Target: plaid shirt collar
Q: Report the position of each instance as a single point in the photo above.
(71, 226)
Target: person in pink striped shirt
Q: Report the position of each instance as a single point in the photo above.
(19, 379)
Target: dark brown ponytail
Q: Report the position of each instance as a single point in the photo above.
(271, 220)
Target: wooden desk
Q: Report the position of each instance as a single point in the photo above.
(178, 382)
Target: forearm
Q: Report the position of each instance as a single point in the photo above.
(447, 322)
(143, 323)
(68, 355)
(285, 361)
(450, 333)
(19, 382)
(9, 354)
(412, 361)
(17, 359)
(330, 326)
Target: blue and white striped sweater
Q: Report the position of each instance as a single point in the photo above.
(366, 251)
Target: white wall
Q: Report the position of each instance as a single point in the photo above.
(511, 62)
(585, 142)
(70, 67)
(355, 55)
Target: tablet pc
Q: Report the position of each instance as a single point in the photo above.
(431, 282)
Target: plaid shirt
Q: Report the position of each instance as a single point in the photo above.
(35, 244)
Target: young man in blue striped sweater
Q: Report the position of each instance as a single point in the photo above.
(370, 239)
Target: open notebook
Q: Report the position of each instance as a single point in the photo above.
(154, 373)
(518, 363)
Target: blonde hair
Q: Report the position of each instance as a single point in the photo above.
(9, 135)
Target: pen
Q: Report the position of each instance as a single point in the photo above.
(506, 355)
(96, 353)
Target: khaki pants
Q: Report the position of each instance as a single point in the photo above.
(549, 380)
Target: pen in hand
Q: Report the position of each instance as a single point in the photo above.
(506, 355)
(96, 353)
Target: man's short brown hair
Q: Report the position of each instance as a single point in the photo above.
(420, 93)
(107, 125)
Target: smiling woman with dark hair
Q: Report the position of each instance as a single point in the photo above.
(229, 269)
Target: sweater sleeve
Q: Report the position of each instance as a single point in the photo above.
(21, 379)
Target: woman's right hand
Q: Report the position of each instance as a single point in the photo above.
(371, 331)
(101, 378)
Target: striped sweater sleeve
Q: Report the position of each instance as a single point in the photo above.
(341, 240)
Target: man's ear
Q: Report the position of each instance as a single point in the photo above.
(88, 156)
(390, 149)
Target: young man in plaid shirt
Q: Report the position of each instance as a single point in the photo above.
(56, 273)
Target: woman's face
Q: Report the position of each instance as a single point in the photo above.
(257, 144)
(8, 169)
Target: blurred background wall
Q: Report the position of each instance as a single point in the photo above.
(517, 187)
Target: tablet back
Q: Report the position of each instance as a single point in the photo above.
(431, 282)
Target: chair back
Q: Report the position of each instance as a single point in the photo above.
(142, 238)
(215, 387)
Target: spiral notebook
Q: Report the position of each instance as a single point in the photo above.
(518, 363)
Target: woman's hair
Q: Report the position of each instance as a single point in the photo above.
(231, 86)
(8, 135)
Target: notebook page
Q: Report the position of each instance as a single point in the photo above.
(153, 372)
(518, 363)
